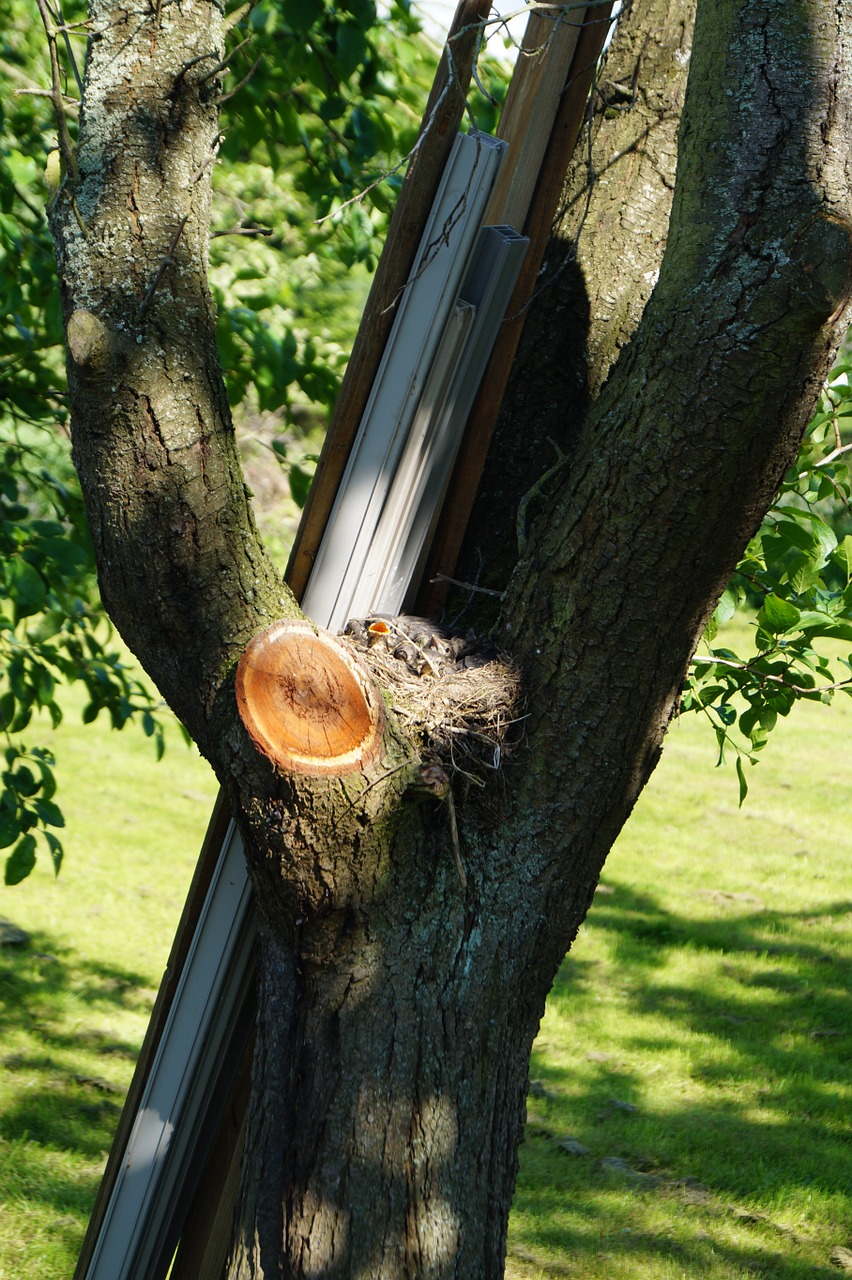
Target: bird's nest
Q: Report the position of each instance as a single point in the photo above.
(459, 697)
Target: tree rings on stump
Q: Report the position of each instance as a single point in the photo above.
(307, 702)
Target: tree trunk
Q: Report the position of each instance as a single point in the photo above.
(398, 1004)
(601, 264)
(375, 1031)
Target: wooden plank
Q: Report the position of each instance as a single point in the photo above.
(537, 225)
(531, 107)
(437, 133)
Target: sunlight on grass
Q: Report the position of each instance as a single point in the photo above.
(698, 1040)
(75, 1000)
(697, 1043)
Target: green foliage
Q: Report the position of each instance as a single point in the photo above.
(318, 114)
(797, 575)
(327, 105)
(327, 101)
(53, 630)
(52, 633)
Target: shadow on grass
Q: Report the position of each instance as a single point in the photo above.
(63, 1082)
(729, 1081)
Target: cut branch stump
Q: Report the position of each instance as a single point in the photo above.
(306, 701)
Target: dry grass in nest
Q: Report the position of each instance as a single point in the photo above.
(458, 696)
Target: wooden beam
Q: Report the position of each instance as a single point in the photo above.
(562, 138)
(531, 107)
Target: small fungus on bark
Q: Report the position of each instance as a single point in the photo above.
(307, 702)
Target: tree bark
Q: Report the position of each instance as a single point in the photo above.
(397, 1007)
(601, 264)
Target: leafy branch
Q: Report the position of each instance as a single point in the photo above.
(795, 583)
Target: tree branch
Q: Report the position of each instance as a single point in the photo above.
(66, 146)
(762, 676)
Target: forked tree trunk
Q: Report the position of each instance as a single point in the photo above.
(397, 1004)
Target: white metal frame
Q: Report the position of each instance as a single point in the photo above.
(407, 520)
(422, 320)
(163, 1140)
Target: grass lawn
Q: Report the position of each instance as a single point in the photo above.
(75, 1000)
(698, 1041)
(692, 1083)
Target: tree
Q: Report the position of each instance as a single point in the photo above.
(398, 1000)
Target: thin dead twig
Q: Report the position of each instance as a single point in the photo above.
(66, 146)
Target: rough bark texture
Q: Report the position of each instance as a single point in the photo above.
(601, 264)
(153, 438)
(397, 1009)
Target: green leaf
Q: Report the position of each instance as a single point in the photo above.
(824, 536)
(778, 615)
(814, 620)
(727, 606)
(742, 780)
(49, 813)
(844, 553)
(21, 860)
(27, 587)
(300, 15)
(300, 483)
(804, 577)
(351, 47)
(57, 853)
(7, 710)
(749, 722)
(22, 780)
(10, 827)
(768, 718)
(794, 534)
(68, 556)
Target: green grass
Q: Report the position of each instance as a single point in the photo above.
(709, 990)
(75, 1001)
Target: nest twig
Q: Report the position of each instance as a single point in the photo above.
(461, 699)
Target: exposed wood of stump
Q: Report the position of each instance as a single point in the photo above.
(306, 701)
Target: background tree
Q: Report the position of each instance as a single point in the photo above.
(396, 1008)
